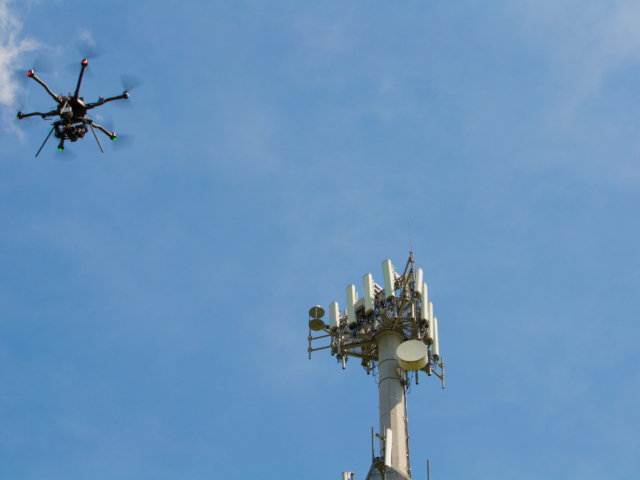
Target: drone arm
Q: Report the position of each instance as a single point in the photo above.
(109, 134)
(55, 97)
(25, 115)
(84, 67)
(119, 97)
(43, 115)
(102, 101)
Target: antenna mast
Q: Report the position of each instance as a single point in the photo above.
(393, 332)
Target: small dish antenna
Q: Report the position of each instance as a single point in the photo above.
(316, 324)
(412, 355)
(315, 314)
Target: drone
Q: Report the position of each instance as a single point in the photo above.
(72, 110)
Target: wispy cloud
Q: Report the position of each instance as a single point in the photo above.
(11, 49)
(588, 40)
(85, 36)
(591, 47)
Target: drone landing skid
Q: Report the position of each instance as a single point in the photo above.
(45, 141)
(94, 134)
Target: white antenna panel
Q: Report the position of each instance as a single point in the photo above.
(436, 347)
(418, 286)
(388, 446)
(388, 272)
(352, 298)
(424, 311)
(369, 294)
(334, 316)
(431, 329)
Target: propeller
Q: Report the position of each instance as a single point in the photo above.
(20, 103)
(41, 64)
(74, 68)
(106, 122)
(122, 141)
(88, 49)
(65, 155)
(27, 123)
(129, 82)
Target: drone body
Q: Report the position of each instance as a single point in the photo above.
(73, 122)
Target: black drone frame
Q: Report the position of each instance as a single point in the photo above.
(72, 112)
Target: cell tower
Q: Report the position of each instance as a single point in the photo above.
(395, 335)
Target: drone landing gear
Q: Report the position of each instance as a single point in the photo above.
(45, 141)
(111, 135)
(94, 134)
(61, 145)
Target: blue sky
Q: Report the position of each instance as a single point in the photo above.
(154, 300)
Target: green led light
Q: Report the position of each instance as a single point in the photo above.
(114, 138)
(59, 148)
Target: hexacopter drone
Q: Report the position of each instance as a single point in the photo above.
(72, 110)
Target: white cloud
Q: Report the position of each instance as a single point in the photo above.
(11, 49)
(590, 45)
(86, 36)
(587, 39)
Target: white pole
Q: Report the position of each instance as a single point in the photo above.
(392, 403)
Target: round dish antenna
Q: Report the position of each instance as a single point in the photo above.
(316, 324)
(316, 312)
(412, 355)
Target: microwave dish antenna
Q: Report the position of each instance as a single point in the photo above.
(413, 355)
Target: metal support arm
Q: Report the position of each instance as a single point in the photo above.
(84, 67)
(320, 348)
(404, 286)
(102, 101)
(432, 371)
(356, 345)
(103, 130)
(43, 115)
(57, 98)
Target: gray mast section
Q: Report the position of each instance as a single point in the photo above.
(392, 399)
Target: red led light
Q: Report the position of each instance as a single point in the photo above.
(84, 62)
(28, 74)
